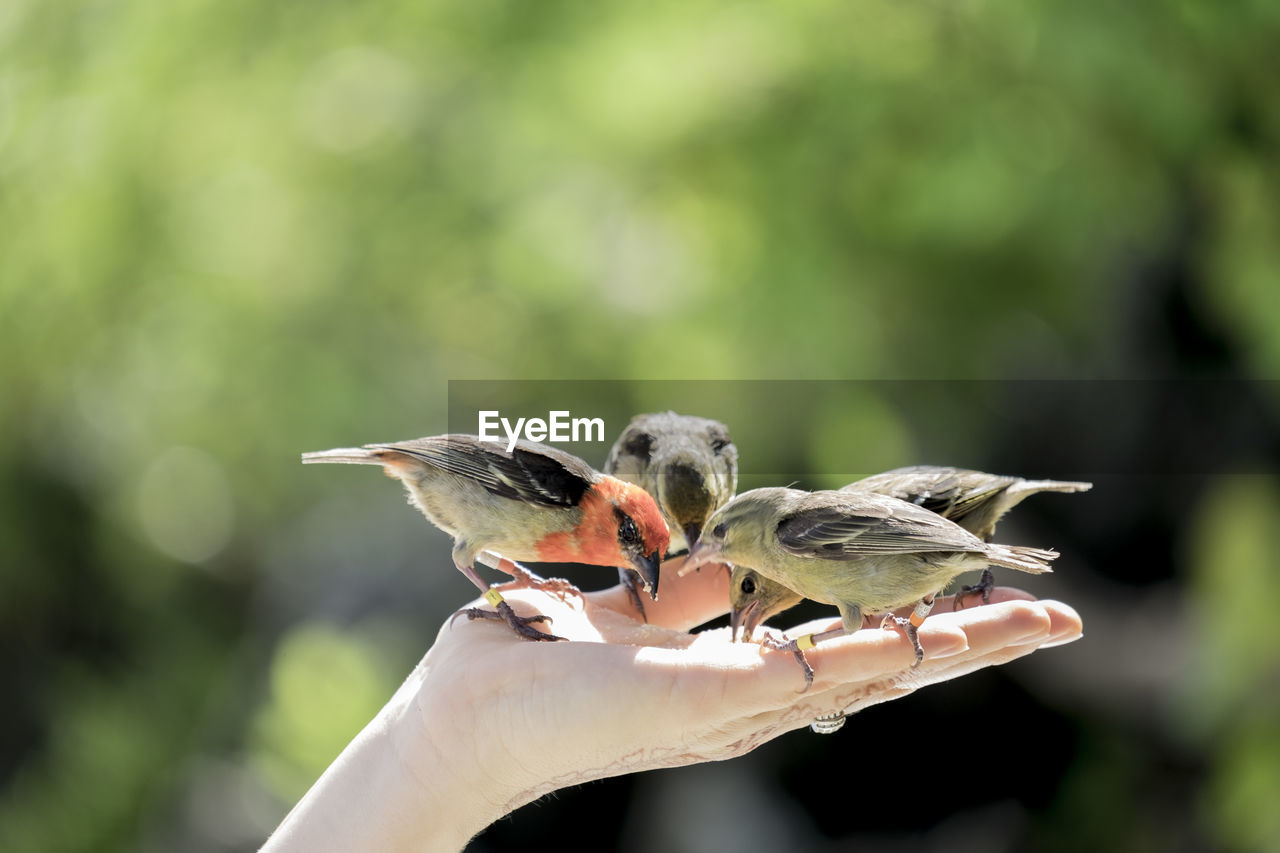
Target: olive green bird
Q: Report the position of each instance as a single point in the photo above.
(860, 551)
(975, 500)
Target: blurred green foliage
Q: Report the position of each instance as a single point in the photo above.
(233, 231)
(1234, 706)
(325, 683)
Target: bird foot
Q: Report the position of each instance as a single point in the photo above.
(796, 647)
(519, 624)
(908, 628)
(984, 586)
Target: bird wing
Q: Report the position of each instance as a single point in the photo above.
(530, 472)
(950, 492)
(958, 501)
(862, 528)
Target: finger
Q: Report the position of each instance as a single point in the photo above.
(1067, 627)
(998, 594)
(683, 602)
(693, 599)
(873, 666)
(996, 633)
(883, 658)
(967, 664)
(993, 626)
(996, 636)
(813, 626)
(942, 604)
(867, 655)
(1064, 627)
(875, 654)
(1007, 593)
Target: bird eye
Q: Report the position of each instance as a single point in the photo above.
(718, 530)
(718, 444)
(628, 533)
(748, 585)
(639, 445)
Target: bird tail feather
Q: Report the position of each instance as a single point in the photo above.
(348, 455)
(1030, 487)
(1031, 560)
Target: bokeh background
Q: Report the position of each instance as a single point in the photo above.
(234, 231)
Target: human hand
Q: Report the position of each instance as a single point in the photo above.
(488, 721)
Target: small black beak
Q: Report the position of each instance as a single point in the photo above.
(648, 569)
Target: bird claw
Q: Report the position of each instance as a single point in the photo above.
(771, 642)
(519, 624)
(909, 630)
(984, 586)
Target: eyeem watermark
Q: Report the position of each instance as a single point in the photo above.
(559, 426)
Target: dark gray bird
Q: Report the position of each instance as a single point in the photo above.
(689, 465)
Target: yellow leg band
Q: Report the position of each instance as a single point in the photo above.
(918, 618)
(493, 597)
(805, 643)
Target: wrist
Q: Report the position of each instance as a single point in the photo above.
(410, 780)
(434, 736)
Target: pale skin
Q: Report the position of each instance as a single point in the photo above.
(488, 722)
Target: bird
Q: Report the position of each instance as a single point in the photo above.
(861, 551)
(532, 502)
(975, 500)
(688, 464)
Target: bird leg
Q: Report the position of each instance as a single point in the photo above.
(771, 642)
(630, 580)
(983, 586)
(525, 579)
(519, 624)
(910, 627)
(799, 646)
(909, 630)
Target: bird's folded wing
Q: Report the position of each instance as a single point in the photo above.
(530, 473)
(847, 532)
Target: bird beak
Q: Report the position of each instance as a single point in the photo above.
(648, 569)
(702, 553)
(752, 619)
(691, 534)
(743, 616)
